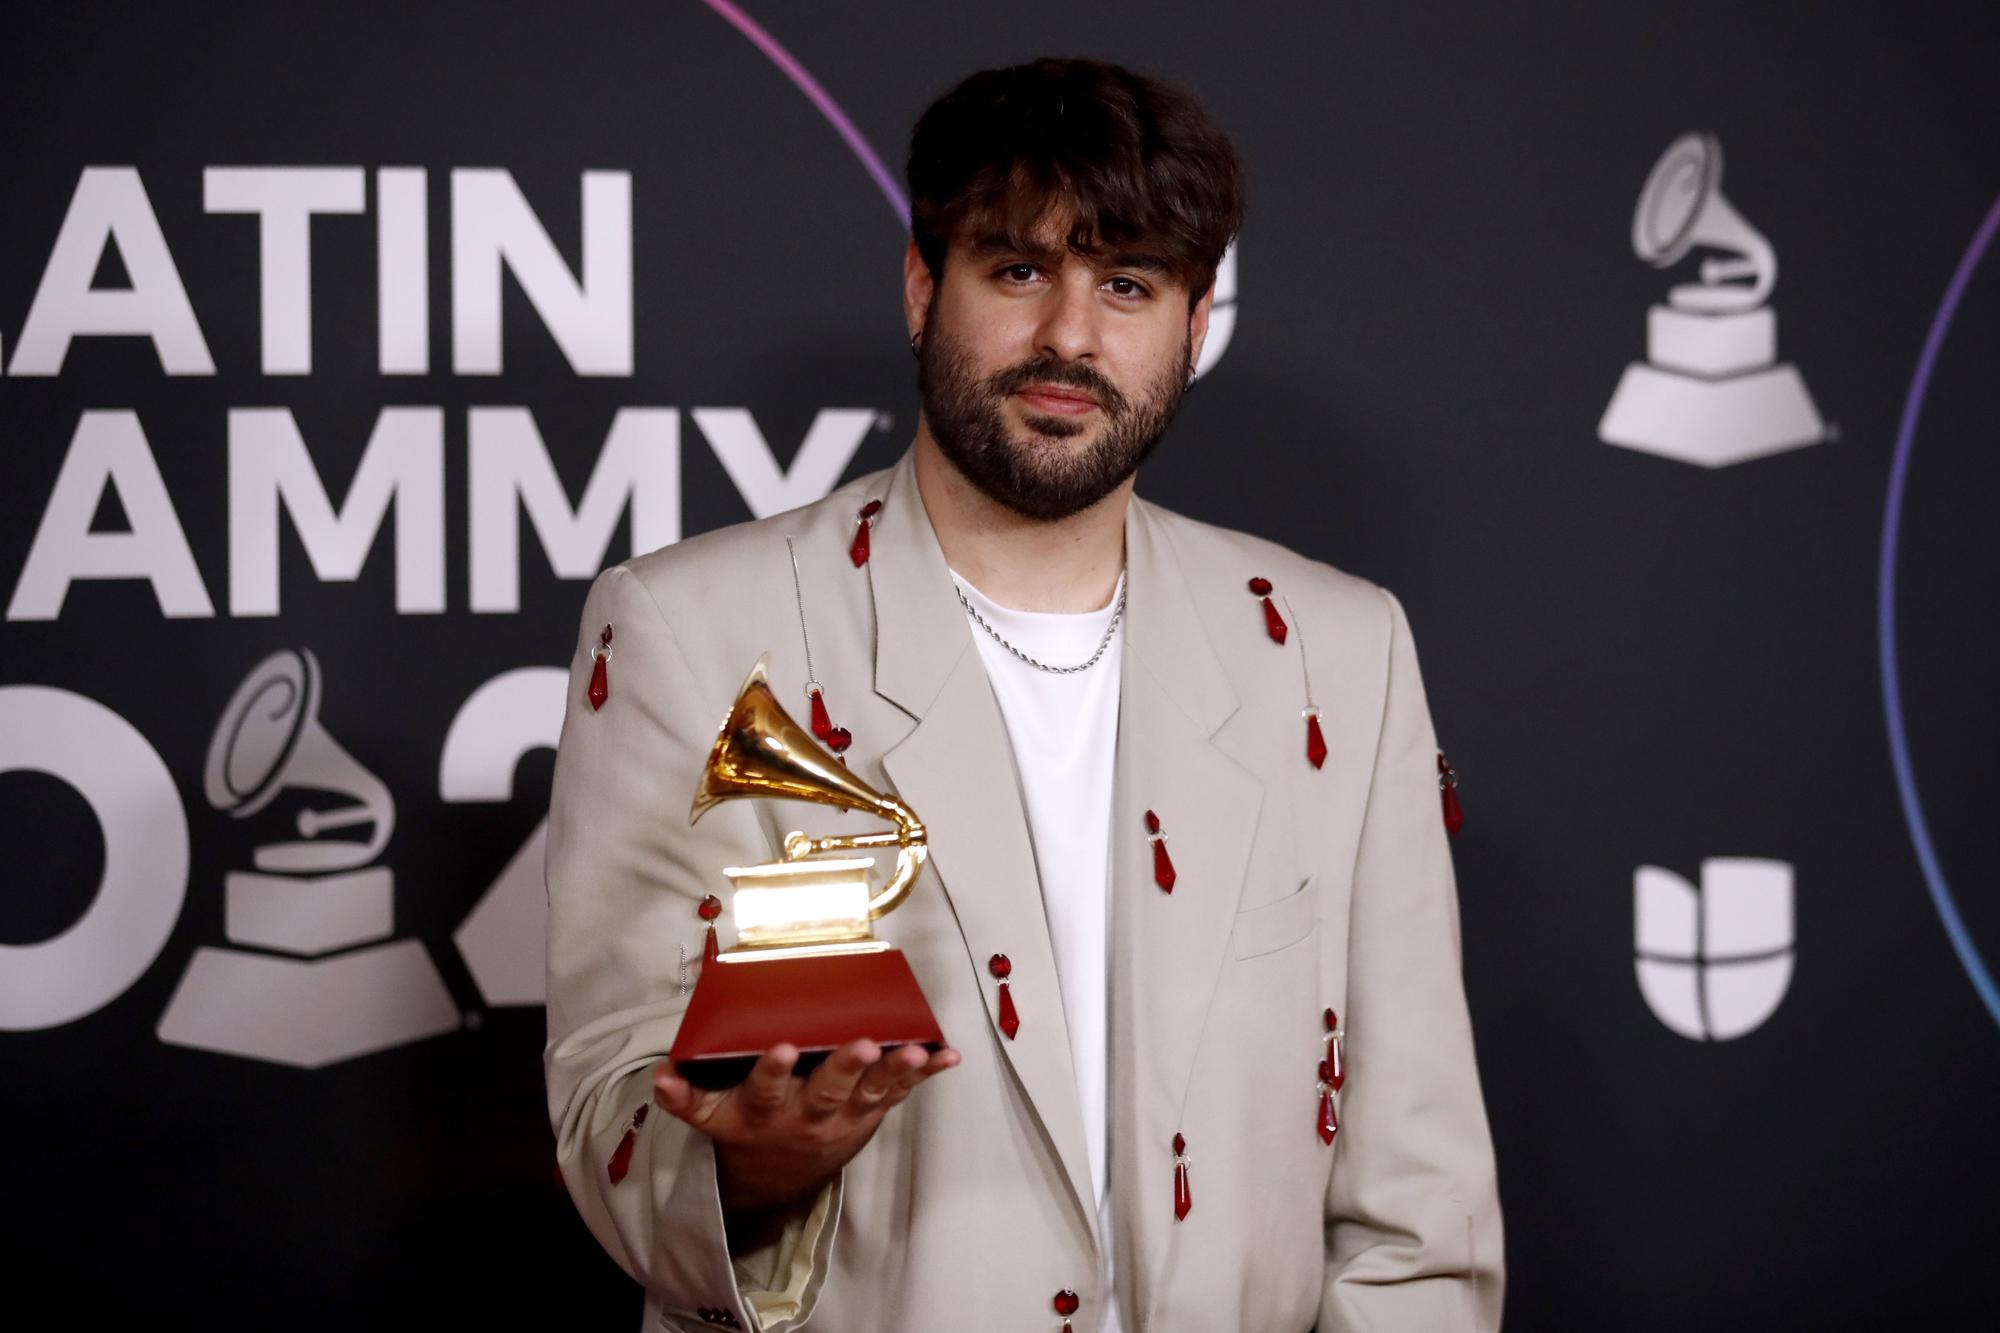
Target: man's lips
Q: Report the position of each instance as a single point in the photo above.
(1058, 399)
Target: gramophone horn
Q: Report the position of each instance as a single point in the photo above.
(1682, 206)
(270, 739)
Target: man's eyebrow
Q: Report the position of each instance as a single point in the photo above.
(997, 243)
(1152, 263)
(994, 243)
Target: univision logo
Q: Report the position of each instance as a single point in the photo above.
(1221, 313)
(1714, 961)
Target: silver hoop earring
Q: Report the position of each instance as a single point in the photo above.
(913, 342)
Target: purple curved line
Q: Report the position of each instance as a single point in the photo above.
(1885, 596)
(819, 97)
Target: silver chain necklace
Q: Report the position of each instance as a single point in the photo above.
(1117, 613)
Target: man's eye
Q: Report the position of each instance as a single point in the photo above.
(1022, 271)
(1127, 287)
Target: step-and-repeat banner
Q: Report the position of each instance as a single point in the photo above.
(1647, 351)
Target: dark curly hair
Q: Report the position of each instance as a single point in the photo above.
(1134, 163)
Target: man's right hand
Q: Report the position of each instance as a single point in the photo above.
(779, 1138)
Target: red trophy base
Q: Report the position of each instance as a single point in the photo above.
(739, 1010)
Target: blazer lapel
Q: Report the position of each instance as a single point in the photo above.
(955, 768)
(1167, 948)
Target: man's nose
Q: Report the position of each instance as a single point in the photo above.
(1069, 328)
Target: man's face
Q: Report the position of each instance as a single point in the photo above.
(1048, 377)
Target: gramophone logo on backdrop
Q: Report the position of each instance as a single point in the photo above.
(1714, 961)
(319, 979)
(1710, 390)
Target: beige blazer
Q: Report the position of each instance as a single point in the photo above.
(1298, 889)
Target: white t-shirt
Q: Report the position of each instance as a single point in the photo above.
(1064, 729)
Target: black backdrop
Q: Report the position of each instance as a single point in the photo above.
(1632, 660)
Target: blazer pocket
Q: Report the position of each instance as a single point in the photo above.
(1273, 926)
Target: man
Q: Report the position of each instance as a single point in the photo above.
(1182, 796)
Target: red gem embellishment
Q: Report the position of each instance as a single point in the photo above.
(1454, 816)
(1163, 865)
(1332, 1073)
(710, 909)
(621, 1160)
(1315, 738)
(1002, 968)
(1066, 1303)
(600, 678)
(1274, 624)
(837, 741)
(822, 725)
(1183, 1192)
(858, 550)
(1010, 1020)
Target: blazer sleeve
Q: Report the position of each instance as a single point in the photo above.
(625, 874)
(1413, 1231)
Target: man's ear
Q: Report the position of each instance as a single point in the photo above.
(918, 288)
(1198, 324)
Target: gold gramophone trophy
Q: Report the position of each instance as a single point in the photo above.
(806, 967)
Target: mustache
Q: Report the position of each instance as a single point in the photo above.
(1068, 374)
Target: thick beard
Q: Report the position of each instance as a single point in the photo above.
(1039, 479)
